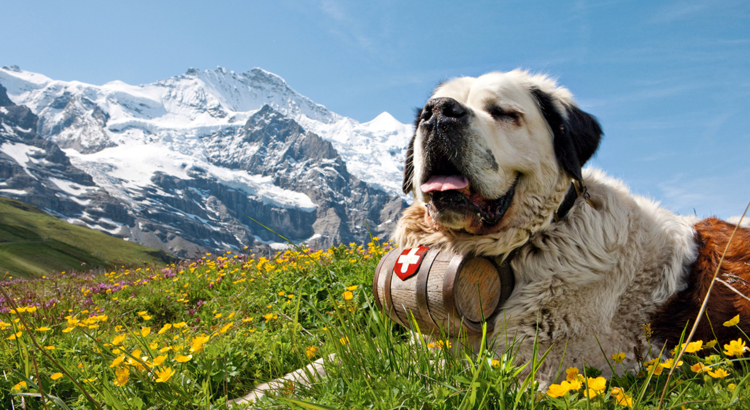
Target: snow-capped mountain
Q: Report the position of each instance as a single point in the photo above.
(192, 157)
(181, 109)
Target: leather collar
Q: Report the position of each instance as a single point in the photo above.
(577, 189)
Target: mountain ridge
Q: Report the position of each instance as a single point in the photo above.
(189, 166)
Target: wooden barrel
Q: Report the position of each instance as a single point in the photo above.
(448, 291)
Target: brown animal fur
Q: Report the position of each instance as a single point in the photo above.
(711, 236)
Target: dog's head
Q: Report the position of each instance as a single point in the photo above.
(497, 153)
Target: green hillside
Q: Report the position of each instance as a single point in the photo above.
(33, 243)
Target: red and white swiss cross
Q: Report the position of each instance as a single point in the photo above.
(408, 262)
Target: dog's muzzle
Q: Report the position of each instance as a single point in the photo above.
(442, 116)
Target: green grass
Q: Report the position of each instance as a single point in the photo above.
(119, 337)
(33, 244)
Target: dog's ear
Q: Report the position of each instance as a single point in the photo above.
(407, 185)
(576, 137)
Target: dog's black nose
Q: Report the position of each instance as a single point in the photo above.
(440, 110)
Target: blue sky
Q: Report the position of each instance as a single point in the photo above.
(668, 80)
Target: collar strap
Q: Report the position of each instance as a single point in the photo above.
(577, 189)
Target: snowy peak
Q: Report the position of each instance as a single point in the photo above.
(226, 92)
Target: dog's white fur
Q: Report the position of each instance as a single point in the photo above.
(590, 280)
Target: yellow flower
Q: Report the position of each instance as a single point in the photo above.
(159, 360)
(118, 339)
(441, 344)
(572, 373)
(595, 386)
(198, 343)
(348, 295)
(693, 347)
(165, 328)
(19, 386)
(670, 362)
(311, 351)
(557, 390)
(218, 315)
(247, 320)
(226, 327)
(344, 340)
(268, 316)
(143, 312)
(621, 398)
(145, 331)
(718, 374)
(132, 362)
(657, 369)
(352, 288)
(56, 376)
(735, 348)
(42, 329)
(281, 293)
(574, 385)
(231, 315)
(699, 368)
(711, 344)
(182, 359)
(49, 347)
(618, 357)
(733, 321)
(117, 361)
(146, 317)
(164, 375)
(123, 374)
(179, 325)
(495, 364)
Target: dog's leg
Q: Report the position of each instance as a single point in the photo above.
(303, 376)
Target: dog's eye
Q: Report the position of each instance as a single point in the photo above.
(500, 114)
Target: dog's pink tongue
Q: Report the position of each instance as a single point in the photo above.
(445, 183)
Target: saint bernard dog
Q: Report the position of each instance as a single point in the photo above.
(495, 169)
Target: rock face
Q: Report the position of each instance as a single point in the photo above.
(275, 146)
(35, 170)
(186, 164)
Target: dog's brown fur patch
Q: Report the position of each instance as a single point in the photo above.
(711, 237)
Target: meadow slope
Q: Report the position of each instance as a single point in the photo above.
(33, 243)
